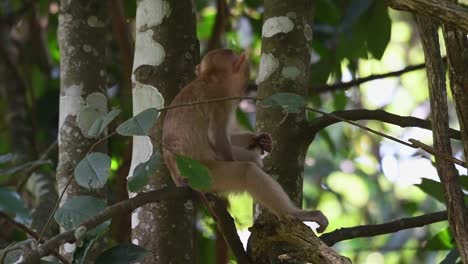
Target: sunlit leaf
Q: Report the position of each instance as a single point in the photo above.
(291, 103)
(197, 174)
(433, 189)
(142, 172)
(140, 124)
(122, 254)
(102, 122)
(79, 209)
(93, 170)
(442, 240)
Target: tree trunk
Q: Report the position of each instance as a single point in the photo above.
(166, 52)
(284, 67)
(82, 41)
(439, 116)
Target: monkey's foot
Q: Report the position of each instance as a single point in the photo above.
(313, 216)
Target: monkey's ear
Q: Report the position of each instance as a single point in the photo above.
(197, 69)
(237, 65)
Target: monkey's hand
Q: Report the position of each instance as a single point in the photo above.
(263, 141)
(314, 216)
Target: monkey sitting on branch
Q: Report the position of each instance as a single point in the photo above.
(203, 132)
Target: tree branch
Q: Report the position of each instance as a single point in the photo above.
(379, 115)
(318, 89)
(31, 233)
(111, 211)
(381, 229)
(444, 11)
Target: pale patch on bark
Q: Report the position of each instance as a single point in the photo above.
(308, 32)
(95, 106)
(70, 104)
(268, 64)
(144, 97)
(275, 25)
(151, 13)
(93, 21)
(147, 51)
(135, 218)
(290, 72)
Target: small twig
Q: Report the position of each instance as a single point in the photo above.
(414, 143)
(362, 127)
(31, 233)
(381, 229)
(434, 152)
(209, 101)
(29, 172)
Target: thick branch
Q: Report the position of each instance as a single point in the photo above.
(379, 115)
(442, 10)
(381, 229)
(111, 211)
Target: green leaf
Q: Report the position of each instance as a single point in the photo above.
(441, 241)
(142, 172)
(78, 209)
(243, 120)
(291, 103)
(353, 12)
(206, 23)
(433, 189)
(339, 100)
(102, 122)
(379, 29)
(197, 174)
(464, 181)
(122, 254)
(140, 124)
(12, 204)
(92, 171)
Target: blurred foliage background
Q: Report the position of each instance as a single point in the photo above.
(354, 177)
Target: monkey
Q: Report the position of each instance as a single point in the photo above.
(203, 132)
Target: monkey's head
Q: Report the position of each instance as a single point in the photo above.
(226, 64)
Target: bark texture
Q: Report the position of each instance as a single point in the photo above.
(165, 228)
(285, 67)
(439, 116)
(81, 37)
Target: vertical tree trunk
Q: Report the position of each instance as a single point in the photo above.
(166, 52)
(285, 67)
(439, 116)
(81, 37)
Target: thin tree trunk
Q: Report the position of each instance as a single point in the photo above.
(285, 67)
(439, 116)
(81, 37)
(166, 52)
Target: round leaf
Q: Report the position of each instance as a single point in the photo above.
(140, 124)
(102, 122)
(122, 254)
(93, 170)
(197, 174)
(142, 172)
(79, 209)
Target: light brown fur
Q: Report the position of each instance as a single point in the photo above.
(202, 132)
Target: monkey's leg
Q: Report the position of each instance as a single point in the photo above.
(246, 176)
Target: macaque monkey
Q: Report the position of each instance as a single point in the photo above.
(203, 132)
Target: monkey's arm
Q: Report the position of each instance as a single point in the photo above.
(219, 132)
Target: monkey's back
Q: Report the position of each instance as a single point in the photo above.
(185, 130)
